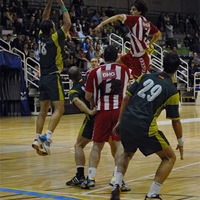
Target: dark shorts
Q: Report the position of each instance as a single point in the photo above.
(51, 88)
(147, 145)
(138, 65)
(104, 124)
(87, 127)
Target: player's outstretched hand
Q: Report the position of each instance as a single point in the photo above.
(180, 148)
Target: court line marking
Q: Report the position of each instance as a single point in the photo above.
(38, 194)
(140, 178)
(160, 123)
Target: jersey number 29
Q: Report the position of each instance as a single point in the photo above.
(150, 90)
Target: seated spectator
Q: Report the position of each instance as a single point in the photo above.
(91, 53)
(86, 43)
(80, 34)
(26, 49)
(99, 52)
(85, 27)
(94, 62)
(195, 58)
(187, 40)
(17, 43)
(192, 69)
(74, 33)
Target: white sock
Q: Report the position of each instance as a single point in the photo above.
(91, 172)
(49, 134)
(155, 188)
(37, 135)
(119, 177)
(115, 171)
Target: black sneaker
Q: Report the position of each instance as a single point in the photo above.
(115, 195)
(124, 187)
(76, 181)
(154, 196)
(87, 184)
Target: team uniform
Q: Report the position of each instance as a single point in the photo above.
(108, 83)
(150, 94)
(139, 29)
(51, 50)
(78, 91)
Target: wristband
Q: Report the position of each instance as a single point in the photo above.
(180, 141)
(63, 8)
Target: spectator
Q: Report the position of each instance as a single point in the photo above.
(26, 49)
(170, 42)
(193, 68)
(86, 44)
(91, 53)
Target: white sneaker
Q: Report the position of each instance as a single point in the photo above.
(45, 143)
(38, 146)
(112, 181)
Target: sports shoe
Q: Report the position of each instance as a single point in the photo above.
(37, 145)
(112, 180)
(115, 195)
(46, 143)
(124, 187)
(153, 197)
(87, 184)
(76, 181)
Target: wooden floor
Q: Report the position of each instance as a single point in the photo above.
(25, 175)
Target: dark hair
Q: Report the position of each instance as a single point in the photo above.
(74, 73)
(141, 6)
(110, 53)
(46, 26)
(171, 62)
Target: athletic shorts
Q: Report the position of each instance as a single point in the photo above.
(138, 65)
(87, 127)
(51, 87)
(104, 123)
(147, 145)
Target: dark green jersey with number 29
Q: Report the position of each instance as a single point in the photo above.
(150, 94)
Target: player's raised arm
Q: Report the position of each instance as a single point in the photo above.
(66, 17)
(47, 10)
(109, 20)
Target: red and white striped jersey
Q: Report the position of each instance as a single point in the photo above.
(139, 29)
(108, 83)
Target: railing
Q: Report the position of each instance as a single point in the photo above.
(196, 83)
(117, 40)
(32, 72)
(5, 44)
(183, 74)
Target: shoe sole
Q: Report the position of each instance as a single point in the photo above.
(41, 153)
(46, 149)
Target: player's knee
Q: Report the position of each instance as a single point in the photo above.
(79, 145)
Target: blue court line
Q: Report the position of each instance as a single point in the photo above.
(37, 194)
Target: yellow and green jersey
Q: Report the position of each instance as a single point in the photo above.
(150, 94)
(51, 49)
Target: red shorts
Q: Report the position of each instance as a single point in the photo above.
(104, 123)
(138, 65)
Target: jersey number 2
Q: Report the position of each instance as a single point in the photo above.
(150, 87)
